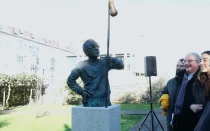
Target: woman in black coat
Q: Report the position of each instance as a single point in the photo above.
(203, 124)
(202, 92)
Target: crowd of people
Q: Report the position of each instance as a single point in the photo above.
(189, 94)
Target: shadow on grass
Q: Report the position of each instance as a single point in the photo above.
(5, 112)
(4, 123)
(66, 127)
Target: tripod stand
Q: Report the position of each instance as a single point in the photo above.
(151, 112)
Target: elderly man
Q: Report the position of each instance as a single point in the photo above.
(93, 73)
(171, 90)
(184, 118)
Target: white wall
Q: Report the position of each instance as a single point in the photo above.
(11, 47)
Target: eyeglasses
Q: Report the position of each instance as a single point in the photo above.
(92, 47)
(189, 61)
(179, 66)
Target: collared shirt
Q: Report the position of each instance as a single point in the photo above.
(189, 77)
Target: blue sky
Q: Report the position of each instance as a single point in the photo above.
(168, 29)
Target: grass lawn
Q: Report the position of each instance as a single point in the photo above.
(141, 106)
(57, 118)
(128, 121)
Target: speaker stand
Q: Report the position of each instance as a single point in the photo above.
(151, 112)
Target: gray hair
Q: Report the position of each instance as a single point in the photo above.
(198, 57)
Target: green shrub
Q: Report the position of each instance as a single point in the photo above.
(4, 123)
(128, 98)
(20, 89)
(73, 98)
(156, 88)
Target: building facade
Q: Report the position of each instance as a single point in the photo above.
(22, 52)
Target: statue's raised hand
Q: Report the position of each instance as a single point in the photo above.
(108, 58)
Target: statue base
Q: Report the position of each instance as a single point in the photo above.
(96, 118)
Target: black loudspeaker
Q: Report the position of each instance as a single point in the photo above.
(150, 66)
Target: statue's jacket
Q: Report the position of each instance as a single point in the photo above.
(94, 76)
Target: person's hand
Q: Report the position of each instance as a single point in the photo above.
(196, 107)
(85, 95)
(173, 120)
(171, 124)
(108, 58)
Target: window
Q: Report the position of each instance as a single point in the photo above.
(34, 68)
(33, 50)
(120, 56)
(52, 71)
(72, 61)
(102, 56)
(128, 63)
(37, 61)
(52, 62)
(19, 58)
(43, 72)
(21, 45)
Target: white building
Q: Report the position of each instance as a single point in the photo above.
(22, 52)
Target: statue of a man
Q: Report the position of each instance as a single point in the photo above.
(93, 73)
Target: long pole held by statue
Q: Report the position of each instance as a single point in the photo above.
(111, 12)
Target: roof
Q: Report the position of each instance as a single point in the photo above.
(16, 32)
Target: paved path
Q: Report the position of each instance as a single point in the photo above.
(147, 124)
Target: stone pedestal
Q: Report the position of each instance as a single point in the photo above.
(96, 118)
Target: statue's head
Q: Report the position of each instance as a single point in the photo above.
(91, 48)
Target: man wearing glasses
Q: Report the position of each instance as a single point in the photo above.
(184, 118)
(171, 89)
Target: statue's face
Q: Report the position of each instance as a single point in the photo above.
(92, 50)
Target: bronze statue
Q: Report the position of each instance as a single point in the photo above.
(93, 73)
